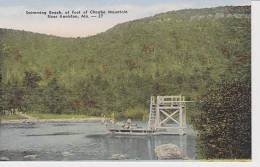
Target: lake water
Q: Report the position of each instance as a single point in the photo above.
(81, 141)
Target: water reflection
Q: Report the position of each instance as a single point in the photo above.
(142, 147)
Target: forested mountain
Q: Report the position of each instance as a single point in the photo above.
(178, 52)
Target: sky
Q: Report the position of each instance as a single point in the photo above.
(13, 13)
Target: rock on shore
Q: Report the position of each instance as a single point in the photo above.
(30, 157)
(168, 151)
(118, 157)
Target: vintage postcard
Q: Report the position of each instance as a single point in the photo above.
(125, 80)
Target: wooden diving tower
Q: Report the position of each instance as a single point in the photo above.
(167, 115)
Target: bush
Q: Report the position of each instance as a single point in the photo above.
(137, 113)
(224, 124)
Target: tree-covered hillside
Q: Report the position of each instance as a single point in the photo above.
(178, 52)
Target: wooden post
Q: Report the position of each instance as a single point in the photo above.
(157, 112)
(184, 116)
(184, 113)
(151, 123)
(180, 117)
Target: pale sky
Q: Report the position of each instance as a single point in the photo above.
(12, 13)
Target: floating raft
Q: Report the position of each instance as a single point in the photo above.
(132, 131)
(146, 132)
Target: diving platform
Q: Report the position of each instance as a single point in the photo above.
(167, 115)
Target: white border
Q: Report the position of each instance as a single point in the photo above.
(255, 123)
(255, 81)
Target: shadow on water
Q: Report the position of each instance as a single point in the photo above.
(55, 134)
(64, 124)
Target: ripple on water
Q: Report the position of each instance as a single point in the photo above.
(20, 126)
(64, 124)
(55, 134)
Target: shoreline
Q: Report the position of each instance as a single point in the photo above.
(71, 120)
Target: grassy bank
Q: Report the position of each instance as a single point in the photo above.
(57, 116)
(132, 114)
(136, 113)
(12, 117)
(43, 116)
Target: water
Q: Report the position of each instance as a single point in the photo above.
(81, 141)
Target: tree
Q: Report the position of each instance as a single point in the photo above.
(1, 73)
(55, 97)
(32, 91)
(224, 123)
(12, 98)
(31, 79)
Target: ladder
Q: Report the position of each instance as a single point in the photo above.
(152, 114)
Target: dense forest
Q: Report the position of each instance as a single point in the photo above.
(178, 52)
(203, 54)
